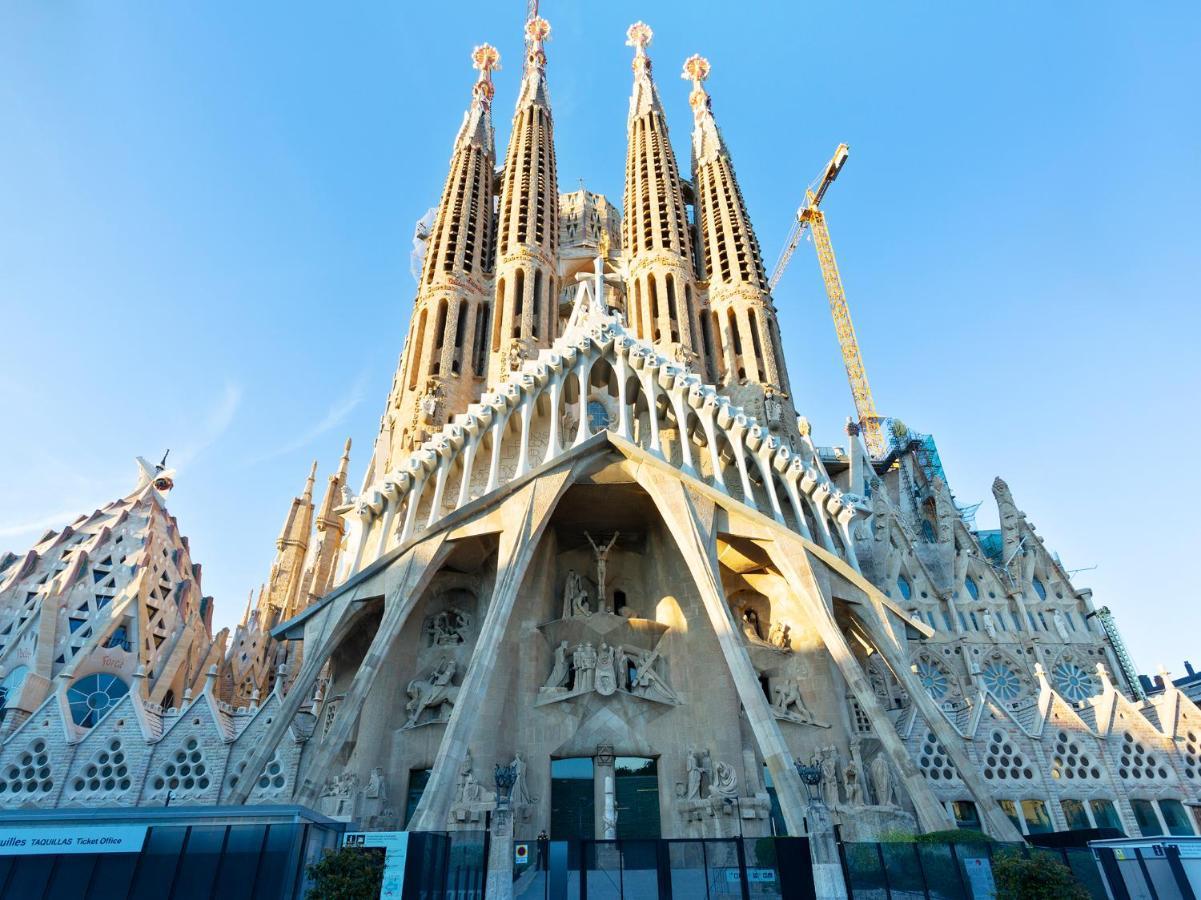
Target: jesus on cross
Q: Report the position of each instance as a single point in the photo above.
(602, 559)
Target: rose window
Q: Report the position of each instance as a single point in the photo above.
(1001, 681)
(91, 696)
(1073, 682)
(933, 678)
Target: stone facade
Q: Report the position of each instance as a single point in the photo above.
(624, 553)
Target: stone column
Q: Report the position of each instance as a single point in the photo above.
(524, 516)
(500, 857)
(691, 519)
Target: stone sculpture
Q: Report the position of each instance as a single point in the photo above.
(881, 774)
(585, 659)
(693, 766)
(575, 597)
(436, 693)
(602, 561)
(780, 635)
(725, 782)
(561, 672)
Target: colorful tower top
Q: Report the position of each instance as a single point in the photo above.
(645, 96)
(533, 81)
(477, 123)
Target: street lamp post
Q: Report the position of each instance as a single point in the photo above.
(828, 880)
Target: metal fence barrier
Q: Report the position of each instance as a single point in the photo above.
(917, 871)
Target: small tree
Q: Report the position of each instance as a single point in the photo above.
(350, 873)
(1036, 877)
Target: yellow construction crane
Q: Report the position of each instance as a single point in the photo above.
(810, 217)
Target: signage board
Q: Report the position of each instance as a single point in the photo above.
(22, 841)
(396, 847)
(979, 878)
(521, 854)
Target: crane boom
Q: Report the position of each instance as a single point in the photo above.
(865, 407)
(810, 217)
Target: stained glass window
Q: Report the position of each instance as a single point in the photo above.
(89, 697)
(1001, 681)
(1073, 682)
(933, 678)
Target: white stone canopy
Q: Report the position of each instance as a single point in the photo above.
(518, 426)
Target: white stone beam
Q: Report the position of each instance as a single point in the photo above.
(690, 518)
(413, 573)
(525, 515)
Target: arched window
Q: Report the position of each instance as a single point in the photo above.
(904, 587)
(480, 346)
(500, 314)
(439, 339)
(415, 360)
(1040, 589)
(90, 697)
(972, 589)
(654, 296)
(10, 687)
(537, 302)
(518, 301)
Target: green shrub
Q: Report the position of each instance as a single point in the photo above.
(351, 873)
(954, 836)
(1037, 877)
(897, 836)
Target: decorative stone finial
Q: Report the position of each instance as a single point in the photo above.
(639, 37)
(486, 59)
(537, 31)
(696, 69)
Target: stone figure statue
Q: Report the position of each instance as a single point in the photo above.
(750, 624)
(692, 764)
(561, 671)
(990, 625)
(473, 791)
(780, 635)
(606, 674)
(575, 597)
(584, 658)
(788, 701)
(725, 782)
(1061, 624)
(850, 783)
(435, 692)
(377, 785)
(648, 682)
(829, 767)
(521, 791)
(602, 561)
(881, 774)
(448, 628)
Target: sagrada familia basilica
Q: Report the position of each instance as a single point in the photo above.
(595, 540)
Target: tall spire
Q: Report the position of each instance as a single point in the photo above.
(445, 357)
(742, 317)
(662, 301)
(526, 292)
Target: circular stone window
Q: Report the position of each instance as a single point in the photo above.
(91, 696)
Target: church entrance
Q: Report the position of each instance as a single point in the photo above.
(572, 803)
(636, 781)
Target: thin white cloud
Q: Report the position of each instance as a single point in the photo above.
(334, 417)
(37, 527)
(216, 423)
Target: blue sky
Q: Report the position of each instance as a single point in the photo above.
(206, 212)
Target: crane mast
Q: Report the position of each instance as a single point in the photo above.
(810, 217)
